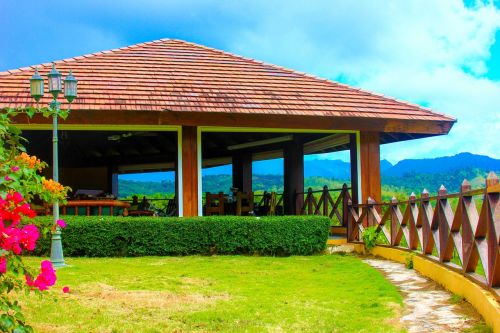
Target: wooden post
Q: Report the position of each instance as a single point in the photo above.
(490, 218)
(345, 207)
(353, 149)
(242, 171)
(112, 180)
(293, 185)
(176, 186)
(190, 170)
(370, 166)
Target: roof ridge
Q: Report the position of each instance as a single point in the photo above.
(325, 80)
(88, 55)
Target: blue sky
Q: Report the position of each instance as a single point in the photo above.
(441, 54)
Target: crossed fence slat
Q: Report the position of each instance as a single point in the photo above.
(432, 227)
(326, 205)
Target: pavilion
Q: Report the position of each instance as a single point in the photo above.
(173, 105)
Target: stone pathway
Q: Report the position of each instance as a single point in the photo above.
(427, 305)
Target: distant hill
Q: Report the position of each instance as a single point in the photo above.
(323, 168)
(341, 170)
(443, 164)
(127, 188)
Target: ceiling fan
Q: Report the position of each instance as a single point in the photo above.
(120, 136)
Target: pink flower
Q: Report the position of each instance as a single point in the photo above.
(15, 168)
(61, 223)
(10, 239)
(65, 289)
(3, 265)
(7, 178)
(45, 279)
(28, 237)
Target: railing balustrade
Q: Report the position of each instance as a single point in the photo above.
(460, 230)
(323, 202)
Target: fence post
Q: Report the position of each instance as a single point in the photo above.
(369, 214)
(425, 217)
(309, 201)
(445, 221)
(325, 201)
(350, 222)
(414, 238)
(345, 196)
(467, 211)
(492, 218)
(394, 221)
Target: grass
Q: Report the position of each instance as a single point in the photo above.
(222, 293)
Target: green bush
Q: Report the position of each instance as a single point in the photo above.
(110, 236)
(371, 237)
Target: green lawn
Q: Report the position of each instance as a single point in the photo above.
(329, 293)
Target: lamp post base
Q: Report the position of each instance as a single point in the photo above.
(56, 251)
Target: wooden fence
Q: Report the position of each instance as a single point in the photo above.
(460, 230)
(323, 202)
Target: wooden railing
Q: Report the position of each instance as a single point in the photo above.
(448, 228)
(323, 202)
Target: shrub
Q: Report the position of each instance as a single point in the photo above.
(409, 260)
(371, 237)
(108, 236)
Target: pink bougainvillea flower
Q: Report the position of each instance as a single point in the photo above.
(10, 239)
(61, 223)
(3, 265)
(7, 178)
(15, 168)
(65, 289)
(47, 278)
(28, 236)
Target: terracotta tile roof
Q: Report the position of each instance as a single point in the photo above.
(174, 75)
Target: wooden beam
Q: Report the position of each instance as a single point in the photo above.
(260, 142)
(293, 179)
(370, 166)
(190, 170)
(242, 171)
(112, 117)
(329, 141)
(353, 150)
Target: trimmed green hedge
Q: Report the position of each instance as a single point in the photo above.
(106, 236)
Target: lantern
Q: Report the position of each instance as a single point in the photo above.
(70, 84)
(36, 86)
(54, 81)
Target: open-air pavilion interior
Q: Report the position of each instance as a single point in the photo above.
(92, 160)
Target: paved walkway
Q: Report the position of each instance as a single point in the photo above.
(428, 307)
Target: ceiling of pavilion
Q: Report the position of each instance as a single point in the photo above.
(138, 149)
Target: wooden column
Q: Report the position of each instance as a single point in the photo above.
(176, 185)
(353, 149)
(112, 180)
(242, 171)
(293, 155)
(189, 171)
(370, 166)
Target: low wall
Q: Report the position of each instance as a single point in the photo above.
(482, 300)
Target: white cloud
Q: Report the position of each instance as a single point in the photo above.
(431, 52)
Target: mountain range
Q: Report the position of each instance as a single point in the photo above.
(341, 170)
(409, 175)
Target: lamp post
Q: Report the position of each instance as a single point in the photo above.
(55, 88)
